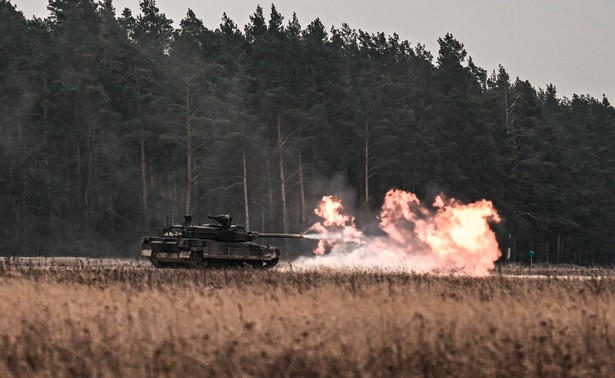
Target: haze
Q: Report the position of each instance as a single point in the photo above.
(564, 42)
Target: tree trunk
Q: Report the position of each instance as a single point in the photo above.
(189, 151)
(144, 194)
(97, 188)
(262, 218)
(282, 176)
(144, 191)
(88, 200)
(511, 132)
(246, 206)
(78, 157)
(77, 205)
(46, 143)
(301, 190)
(19, 129)
(151, 173)
(269, 192)
(175, 200)
(69, 188)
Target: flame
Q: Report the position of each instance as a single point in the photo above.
(450, 236)
(336, 227)
(457, 236)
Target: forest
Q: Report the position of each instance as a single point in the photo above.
(113, 123)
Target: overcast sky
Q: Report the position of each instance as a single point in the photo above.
(569, 43)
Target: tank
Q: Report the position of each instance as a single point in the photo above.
(210, 246)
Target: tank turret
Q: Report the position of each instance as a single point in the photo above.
(210, 245)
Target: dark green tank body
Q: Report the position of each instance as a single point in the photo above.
(210, 246)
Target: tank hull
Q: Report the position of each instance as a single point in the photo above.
(172, 252)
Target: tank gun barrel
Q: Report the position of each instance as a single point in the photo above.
(262, 235)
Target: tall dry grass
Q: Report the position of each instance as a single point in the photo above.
(105, 321)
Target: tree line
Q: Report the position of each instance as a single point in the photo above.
(113, 123)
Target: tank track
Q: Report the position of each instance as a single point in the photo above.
(201, 263)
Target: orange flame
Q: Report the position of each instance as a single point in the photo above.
(454, 236)
(336, 227)
(457, 236)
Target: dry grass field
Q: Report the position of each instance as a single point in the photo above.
(96, 319)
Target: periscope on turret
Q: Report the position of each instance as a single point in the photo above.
(210, 245)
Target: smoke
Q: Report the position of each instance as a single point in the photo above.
(333, 237)
(449, 236)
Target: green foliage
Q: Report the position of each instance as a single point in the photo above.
(110, 123)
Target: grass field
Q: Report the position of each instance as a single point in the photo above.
(94, 319)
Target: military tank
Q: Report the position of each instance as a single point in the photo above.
(210, 246)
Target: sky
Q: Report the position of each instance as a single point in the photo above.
(568, 43)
